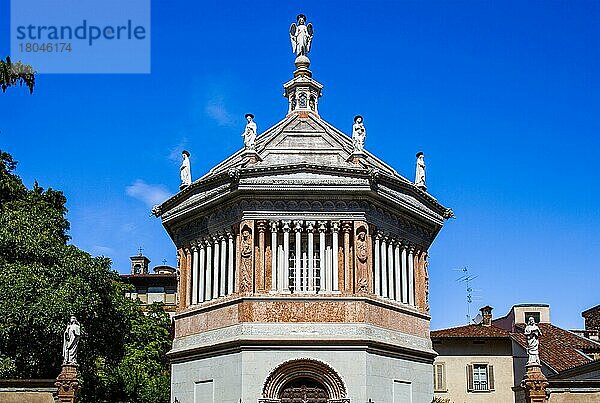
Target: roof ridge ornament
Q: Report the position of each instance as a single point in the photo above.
(301, 36)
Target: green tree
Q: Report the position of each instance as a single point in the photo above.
(12, 74)
(45, 280)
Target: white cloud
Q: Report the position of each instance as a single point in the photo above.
(175, 151)
(103, 250)
(216, 109)
(151, 195)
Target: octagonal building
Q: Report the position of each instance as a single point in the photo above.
(302, 268)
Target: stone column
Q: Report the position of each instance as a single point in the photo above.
(347, 280)
(404, 268)
(420, 298)
(390, 268)
(411, 275)
(397, 271)
(384, 274)
(335, 253)
(194, 273)
(246, 257)
(223, 266)
(535, 383)
(216, 268)
(298, 229)
(230, 261)
(201, 271)
(363, 252)
(67, 384)
(274, 272)
(188, 277)
(209, 264)
(259, 273)
(310, 228)
(285, 273)
(377, 265)
(322, 261)
(181, 283)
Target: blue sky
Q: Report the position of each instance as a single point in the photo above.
(503, 98)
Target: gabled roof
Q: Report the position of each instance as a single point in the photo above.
(303, 138)
(471, 331)
(559, 348)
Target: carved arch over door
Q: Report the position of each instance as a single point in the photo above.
(301, 371)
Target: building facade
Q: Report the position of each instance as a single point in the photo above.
(302, 270)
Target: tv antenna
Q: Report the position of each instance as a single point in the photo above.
(467, 278)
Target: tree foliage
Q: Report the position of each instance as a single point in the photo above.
(12, 74)
(45, 280)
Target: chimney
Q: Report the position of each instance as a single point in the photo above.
(486, 312)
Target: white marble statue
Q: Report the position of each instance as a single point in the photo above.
(249, 133)
(420, 172)
(301, 36)
(186, 170)
(359, 133)
(533, 333)
(70, 341)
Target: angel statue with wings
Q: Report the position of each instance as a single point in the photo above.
(301, 36)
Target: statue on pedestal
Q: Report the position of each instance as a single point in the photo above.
(249, 133)
(70, 341)
(301, 36)
(186, 170)
(533, 333)
(420, 171)
(359, 134)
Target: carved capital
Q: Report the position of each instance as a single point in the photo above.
(286, 225)
(335, 226)
(261, 226)
(298, 225)
(274, 225)
(346, 226)
(310, 226)
(322, 226)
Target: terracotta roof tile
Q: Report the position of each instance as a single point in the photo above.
(559, 348)
(471, 331)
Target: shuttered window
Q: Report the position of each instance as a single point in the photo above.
(480, 377)
(439, 377)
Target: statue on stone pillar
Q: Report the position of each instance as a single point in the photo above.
(533, 333)
(249, 133)
(359, 134)
(301, 36)
(186, 171)
(420, 171)
(70, 341)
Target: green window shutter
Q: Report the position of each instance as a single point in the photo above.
(469, 378)
(491, 376)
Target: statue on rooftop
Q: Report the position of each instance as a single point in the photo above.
(186, 171)
(533, 333)
(301, 36)
(359, 133)
(70, 341)
(249, 133)
(420, 171)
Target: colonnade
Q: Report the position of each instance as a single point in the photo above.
(213, 263)
(394, 268)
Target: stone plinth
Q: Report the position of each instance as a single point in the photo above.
(67, 384)
(535, 384)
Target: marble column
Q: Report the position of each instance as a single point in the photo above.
(390, 268)
(201, 271)
(274, 272)
(216, 268)
(377, 265)
(322, 261)
(335, 264)
(285, 273)
(209, 264)
(260, 272)
(223, 266)
(347, 275)
(194, 274)
(188, 277)
(397, 271)
(411, 275)
(298, 230)
(404, 268)
(230, 265)
(310, 228)
(384, 274)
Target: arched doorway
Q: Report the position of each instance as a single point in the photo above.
(304, 381)
(303, 390)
